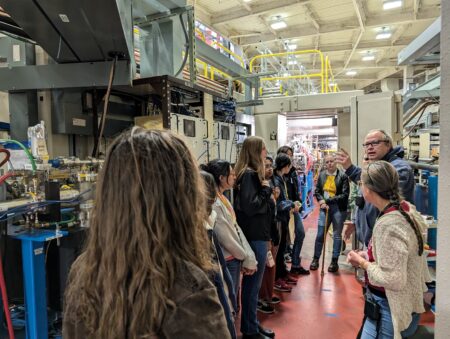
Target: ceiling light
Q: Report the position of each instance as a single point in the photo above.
(368, 57)
(384, 33)
(286, 74)
(351, 73)
(391, 4)
(279, 24)
(247, 0)
(292, 47)
(332, 84)
(292, 62)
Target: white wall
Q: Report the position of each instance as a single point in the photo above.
(344, 131)
(266, 125)
(442, 329)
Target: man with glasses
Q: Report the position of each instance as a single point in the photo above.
(332, 192)
(377, 145)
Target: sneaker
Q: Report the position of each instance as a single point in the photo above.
(265, 308)
(299, 271)
(274, 301)
(314, 265)
(290, 280)
(281, 286)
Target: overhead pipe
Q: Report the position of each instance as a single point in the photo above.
(422, 166)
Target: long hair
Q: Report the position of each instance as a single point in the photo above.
(250, 157)
(147, 223)
(382, 178)
(210, 189)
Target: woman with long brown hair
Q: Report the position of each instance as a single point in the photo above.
(252, 198)
(144, 271)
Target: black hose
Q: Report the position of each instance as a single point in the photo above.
(186, 48)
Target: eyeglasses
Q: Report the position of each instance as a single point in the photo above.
(373, 143)
(329, 161)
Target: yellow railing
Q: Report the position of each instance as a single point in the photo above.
(222, 47)
(320, 75)
(325, 74)
(334, 88)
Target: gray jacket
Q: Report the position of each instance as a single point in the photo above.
(232, 243)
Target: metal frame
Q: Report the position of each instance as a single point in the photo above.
(34, 279)
(427, 42)
(89, 74)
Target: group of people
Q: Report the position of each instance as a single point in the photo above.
(177, 251)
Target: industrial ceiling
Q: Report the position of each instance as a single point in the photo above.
(348, 31)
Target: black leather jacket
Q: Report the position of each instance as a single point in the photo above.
(292, 185)
(342, 190)
(252, 206)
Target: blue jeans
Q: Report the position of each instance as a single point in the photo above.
(250, 289)
(298, 241)
(386, 328)
(337, 218)
(234, 267)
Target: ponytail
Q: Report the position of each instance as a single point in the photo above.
(394, 198)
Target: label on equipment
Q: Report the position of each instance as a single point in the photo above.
(16, 53)
(79, 122)
(39, 250)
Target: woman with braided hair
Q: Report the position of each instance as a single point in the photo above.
(394, 264)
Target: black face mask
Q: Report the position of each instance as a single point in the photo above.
(360, 202)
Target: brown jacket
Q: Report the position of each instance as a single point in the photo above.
(197, 312)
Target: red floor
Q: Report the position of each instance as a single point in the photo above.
(320, 307)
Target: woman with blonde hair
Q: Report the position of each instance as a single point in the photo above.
(395, 264)
(145, 270)
(252, 199)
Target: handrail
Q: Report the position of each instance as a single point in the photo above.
(307, 51)
(218, 44)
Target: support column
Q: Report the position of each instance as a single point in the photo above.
(442, 328)
(408, 79)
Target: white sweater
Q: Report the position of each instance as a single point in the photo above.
(232, 244)
(398, 267)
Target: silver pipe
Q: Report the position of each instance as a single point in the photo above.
(418, 165)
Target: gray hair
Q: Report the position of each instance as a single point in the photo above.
(386, 136)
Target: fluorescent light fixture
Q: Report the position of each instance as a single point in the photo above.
(292, 62)
(383, 33)
(351, 73)
(332, 84)
(391, 4)
(368, 57)
(292, 47)
(286, 74)
(247, 0)
(280, 24)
